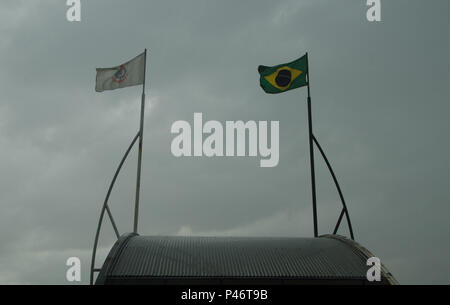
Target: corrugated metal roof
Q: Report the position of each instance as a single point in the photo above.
(234, 257)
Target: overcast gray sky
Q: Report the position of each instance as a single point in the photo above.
(380, 98)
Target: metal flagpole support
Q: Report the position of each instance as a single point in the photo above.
(344, 205)
(141, 136)
(106, 207)
(311, 157)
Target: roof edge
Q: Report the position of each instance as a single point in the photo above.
(112, 257)
(364, 253)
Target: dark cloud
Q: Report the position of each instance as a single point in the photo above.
(380, 107)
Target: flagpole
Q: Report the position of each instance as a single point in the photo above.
(311, 156)
(141, 136)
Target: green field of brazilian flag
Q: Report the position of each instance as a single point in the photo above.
(284, 77)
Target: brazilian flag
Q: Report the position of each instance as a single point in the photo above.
(284, 77)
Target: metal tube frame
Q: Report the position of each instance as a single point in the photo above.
(344, 205)
(311, 156)
(141, 139)
(106, 208)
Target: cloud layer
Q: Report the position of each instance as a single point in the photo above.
(380, 107)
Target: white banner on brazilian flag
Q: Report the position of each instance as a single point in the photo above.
(129, 74)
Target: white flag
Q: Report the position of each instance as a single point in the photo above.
(129, 74)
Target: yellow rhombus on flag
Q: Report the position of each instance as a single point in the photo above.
(284, 77)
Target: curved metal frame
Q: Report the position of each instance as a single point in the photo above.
(106, 207)
(344, 206)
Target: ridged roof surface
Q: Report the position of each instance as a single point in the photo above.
(136, 256)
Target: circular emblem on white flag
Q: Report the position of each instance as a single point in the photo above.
(120, 75)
